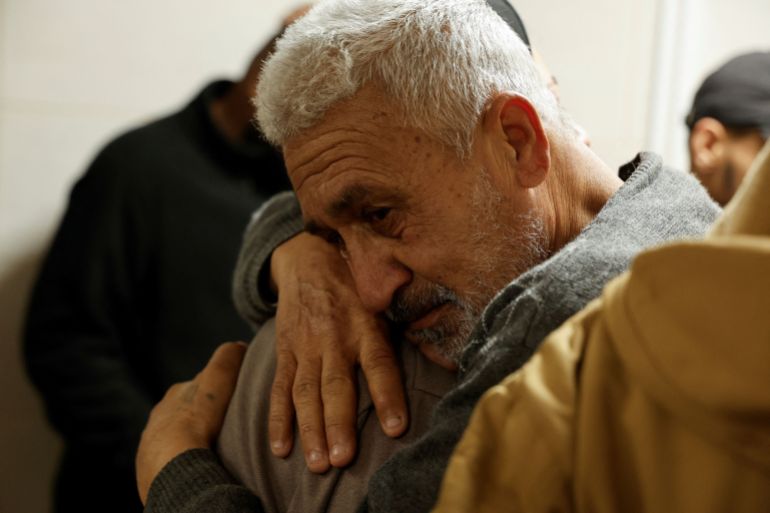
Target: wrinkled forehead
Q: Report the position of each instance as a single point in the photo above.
(365, 131)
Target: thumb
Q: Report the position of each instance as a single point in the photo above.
(218, 379)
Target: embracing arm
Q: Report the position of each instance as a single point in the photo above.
(277, 221)
(323, 333)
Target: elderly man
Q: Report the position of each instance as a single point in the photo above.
(288, 483)
(729, 122)
(423, 146)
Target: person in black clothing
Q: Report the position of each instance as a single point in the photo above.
(134, 294)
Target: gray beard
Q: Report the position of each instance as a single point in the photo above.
(521, 244)
(518, 253)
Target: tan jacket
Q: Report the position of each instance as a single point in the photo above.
(656, 397)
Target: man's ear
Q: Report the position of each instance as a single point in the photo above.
(708, 146)
(512, 122)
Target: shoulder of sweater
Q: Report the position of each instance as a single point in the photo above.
(655, 205)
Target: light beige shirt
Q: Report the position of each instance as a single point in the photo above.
(285, 485)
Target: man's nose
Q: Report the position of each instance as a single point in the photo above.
(376, 272)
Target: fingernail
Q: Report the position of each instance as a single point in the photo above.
(278, 445)
(315, 456)
(393, 422)
(337, 451)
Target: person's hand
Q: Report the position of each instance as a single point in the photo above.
(323, 332)
(189, 416)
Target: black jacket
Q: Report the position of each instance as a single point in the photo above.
(134, 294)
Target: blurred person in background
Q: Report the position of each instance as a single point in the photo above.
(729, 122)
(135, 291)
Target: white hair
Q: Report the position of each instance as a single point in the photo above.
(440, 61)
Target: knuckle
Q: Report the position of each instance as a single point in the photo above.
(335, 424)
(211, 368)
(281, 387)
(219, 366)
(336, 382)
(307, 429)
(176, 389)
(383, 398)
(284, 334)
(305, 390)
(278, 419)
(284, 356)
(279, 404)
(378, 359)
(285, 377)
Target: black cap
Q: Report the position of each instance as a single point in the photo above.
(737, 94)
(511, 17)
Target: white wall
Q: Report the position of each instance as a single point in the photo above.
(73, 73)
(629, 69)
(706, 33)
(601, 54)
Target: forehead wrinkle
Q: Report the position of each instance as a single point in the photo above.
(338, 143)
(330, 167)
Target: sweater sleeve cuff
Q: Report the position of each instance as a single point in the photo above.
(195, 481)
(274, 223)
(182, 479)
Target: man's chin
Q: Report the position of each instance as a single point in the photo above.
(439, 358)
(444, 338)
(437, 345)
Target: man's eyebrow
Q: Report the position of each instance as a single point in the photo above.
(314, 228)
(342, 206)
(352, 197)
(349, 202)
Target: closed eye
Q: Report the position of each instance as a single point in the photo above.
(376, 215)
(335, 239)
(382, 220)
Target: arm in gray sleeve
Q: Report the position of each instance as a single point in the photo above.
(274, 223)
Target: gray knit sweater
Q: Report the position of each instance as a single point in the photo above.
(656, 204)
